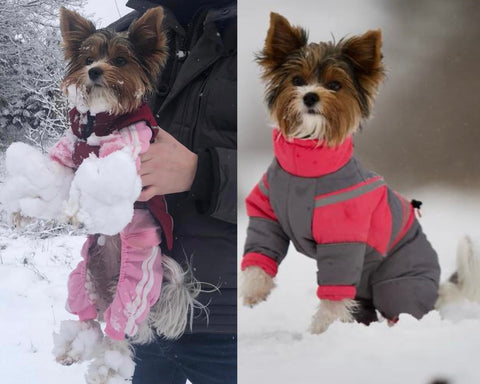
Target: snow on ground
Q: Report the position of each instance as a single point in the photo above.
(275, 347)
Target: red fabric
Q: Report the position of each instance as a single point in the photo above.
(336, 292)
(409, 215)
(309, 158)
(258, 205)
(366, 219)
(258, 260)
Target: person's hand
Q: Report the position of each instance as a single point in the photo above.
(167, 167)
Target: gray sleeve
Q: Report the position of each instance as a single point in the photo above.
(266, 237)
(340, 264)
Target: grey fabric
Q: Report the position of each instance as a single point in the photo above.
(407, 280)
(323, 201)
(340, 264)
(411, 266)
(266, 237)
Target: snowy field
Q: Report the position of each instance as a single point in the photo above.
(275, 347)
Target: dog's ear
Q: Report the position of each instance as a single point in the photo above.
(282, 39)
(147, 36)
(365, 52)
(75, 29)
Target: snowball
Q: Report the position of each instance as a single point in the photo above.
(103, 192)
(35, 185)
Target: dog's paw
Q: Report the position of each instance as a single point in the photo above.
(103, 193)
(256, 285)
(77, 341)
(330, 311)
(114, 366)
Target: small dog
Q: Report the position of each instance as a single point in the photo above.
(91, 178)
(370, 250)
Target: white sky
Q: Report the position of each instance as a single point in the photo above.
(105, 12)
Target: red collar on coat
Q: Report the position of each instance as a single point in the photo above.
(103, 124)
(308, 158)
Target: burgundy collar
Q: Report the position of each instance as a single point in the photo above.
(308, 158)
(103, 124)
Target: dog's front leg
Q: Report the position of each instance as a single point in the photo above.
(256, 285)
(77, 341)
(329, 311)
(114, 364)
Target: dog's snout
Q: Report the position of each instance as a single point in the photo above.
(94, 73)
(310, 99)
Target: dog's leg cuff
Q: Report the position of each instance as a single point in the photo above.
(336, 292)
(269, 265)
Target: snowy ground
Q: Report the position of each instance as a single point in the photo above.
(274, 346)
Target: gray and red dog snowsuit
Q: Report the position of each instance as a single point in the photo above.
(364, 236)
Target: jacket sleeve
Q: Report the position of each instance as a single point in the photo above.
(214, 188)
(267, 243)
(62, 151)
(344, 224)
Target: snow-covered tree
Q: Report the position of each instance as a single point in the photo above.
(31, 67)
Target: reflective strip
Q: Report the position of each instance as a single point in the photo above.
(323, 201)
(262, 187)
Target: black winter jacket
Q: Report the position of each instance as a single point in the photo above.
(196, 102)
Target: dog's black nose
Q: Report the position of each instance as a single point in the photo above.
(310, 99)
(94, 73)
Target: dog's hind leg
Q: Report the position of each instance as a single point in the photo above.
(113, 365)
(77, 341)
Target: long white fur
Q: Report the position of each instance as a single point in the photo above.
(468, 275)
(255, 286)
(330, 311)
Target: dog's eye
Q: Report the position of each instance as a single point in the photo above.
(89, 61)
(298, 81)
(119, 61)
(334, 85)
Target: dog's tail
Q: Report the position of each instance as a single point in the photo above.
(465, 282)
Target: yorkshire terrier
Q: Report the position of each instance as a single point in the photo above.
(91, 178)
(371, 254)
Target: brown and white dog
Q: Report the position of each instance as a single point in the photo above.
(371, 253)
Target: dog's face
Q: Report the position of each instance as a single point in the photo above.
(319, 90)
(111, 72)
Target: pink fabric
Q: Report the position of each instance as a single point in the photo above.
(140, 270)
(136, 136)
(139, 283)
(78, 301)
(140, 277)
(309, 158)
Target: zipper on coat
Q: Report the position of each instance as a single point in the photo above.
(199, 106)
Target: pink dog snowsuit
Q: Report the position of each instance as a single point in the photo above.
(140, 278)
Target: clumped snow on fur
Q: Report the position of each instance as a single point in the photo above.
(103, 192)
(35, 185)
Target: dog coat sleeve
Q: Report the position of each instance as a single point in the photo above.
(136, 137)
(345, 223)
(62, 151)
(267, 243)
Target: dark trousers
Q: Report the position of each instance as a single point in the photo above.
(203, 358)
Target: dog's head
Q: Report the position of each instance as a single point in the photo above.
(319, 90)
(108, 71)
